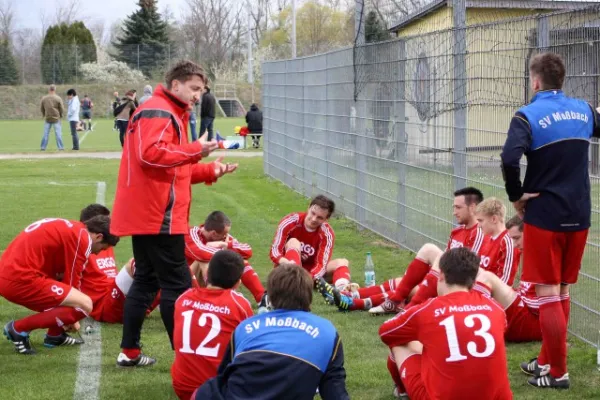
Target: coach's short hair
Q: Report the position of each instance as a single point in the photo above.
(216, 221)
(472, 195)
(290, 287)
(183, 71)
(101, 224)
(92, 210)
(492, 207)
(325, 203)
(71, 92)
(460, 267)
(225, 269)
(550, 68)
(515, 221)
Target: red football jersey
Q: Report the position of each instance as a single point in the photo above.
(463, 341)
(529, 296)
(100, 274)
(501, 258)
(317, 246)
(473, 238)
(197, 250)
(204, 321)
(52, 247)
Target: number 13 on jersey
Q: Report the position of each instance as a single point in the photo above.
(454, 342)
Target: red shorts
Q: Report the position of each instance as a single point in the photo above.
(183, 394)
(410, 373)
(109, 308)
(523, 324)
(38, 294)
(552, 258)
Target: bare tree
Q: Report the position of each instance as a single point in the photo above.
(390, 11)
(68, 11)
(28, 45)
(7, 20)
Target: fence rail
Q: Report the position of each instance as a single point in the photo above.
(390, 130)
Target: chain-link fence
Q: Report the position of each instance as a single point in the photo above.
(390, 130)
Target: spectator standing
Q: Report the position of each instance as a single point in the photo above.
(115, 104)
(254, 119)
(53, 110)
(147, 94)
(86, 112)
(193, 122)
(123, 112)
(73, 116)
(207, 113)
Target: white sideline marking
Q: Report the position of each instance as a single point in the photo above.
(89, 367)
(86, 133)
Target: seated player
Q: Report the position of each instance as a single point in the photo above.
(306, 239)
(287, 353)
(203, 241)
(41, 269)
(389, 297)
(452, 343)
(499, 256)
(205, 318)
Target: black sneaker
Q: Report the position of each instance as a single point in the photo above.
(21, 342)
(62, 340)
(534, 369)
(140, 361)
(264, 305)
(327, 291)
(548, 381)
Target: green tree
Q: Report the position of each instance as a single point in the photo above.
(144, 42)
(9, 74)
(64, 49)
(375, 31)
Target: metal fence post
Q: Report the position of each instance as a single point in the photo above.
(459, 13)
(401, 140)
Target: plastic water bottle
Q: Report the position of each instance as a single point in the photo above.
(369, 271)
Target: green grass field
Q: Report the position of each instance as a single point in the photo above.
(18, 136)
(34, 189)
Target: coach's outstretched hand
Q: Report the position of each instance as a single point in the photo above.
(222, 169)
(208, 147)
(522, 202)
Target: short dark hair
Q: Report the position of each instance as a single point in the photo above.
(216, 221)
(290, 287)
(183, 72)
(323, 202)
(225, 269)
(472, 195)
(515, 221)
(550, 68)
(92, 210)
(71, 92)
(101, 224)
(460, 267)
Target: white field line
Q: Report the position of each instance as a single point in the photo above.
(89, 368)
(86, 133)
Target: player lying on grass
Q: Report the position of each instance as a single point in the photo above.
(205, 318)
(391, 295)
(451, 345)
(41, 270)
(306, 239)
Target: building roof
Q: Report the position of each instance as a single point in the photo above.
(526, 4)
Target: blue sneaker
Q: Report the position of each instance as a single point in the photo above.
(19, 340)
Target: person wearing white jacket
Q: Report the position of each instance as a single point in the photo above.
(73, 116)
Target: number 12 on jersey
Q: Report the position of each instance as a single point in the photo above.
(203, 349)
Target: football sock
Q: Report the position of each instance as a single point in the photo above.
(415, 273)
(393, 368)
(54, 317)
(427, 289)
(373, 290)
(341, 277)
(131, 353)
(293, 256)
(55, 331)
(565, 301)
(554, 334)
(252, 283)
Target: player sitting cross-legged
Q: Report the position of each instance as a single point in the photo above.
(306, 239)
(41, 270)
(205, 318)
(452, 342)
(203, 241)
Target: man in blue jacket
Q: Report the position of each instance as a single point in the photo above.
(287, 353)
(554, 133)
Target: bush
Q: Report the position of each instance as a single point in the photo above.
(115, 72)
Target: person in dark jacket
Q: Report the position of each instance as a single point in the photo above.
(287, 353)
(207, 114)
(254, 119)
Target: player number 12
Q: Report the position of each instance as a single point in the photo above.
(469, 321)
(214, 331)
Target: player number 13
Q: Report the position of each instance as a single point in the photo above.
(469, 321)
(215, 329)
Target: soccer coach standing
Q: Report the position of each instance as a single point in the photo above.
(152, 200)
(553, 132)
